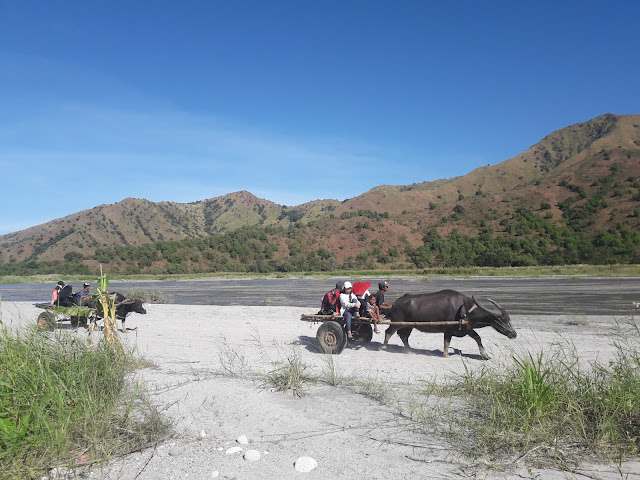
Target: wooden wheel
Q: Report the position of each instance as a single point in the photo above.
(362, 332)
(78, 320)
(331, 337)
(46, 321)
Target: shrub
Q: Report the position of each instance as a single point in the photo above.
(60, 397)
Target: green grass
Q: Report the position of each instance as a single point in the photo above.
(64, 402)
(288, 375)
(460, 272)
(38, 279)
(545, 404)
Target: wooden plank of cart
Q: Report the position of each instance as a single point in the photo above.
(332, 335)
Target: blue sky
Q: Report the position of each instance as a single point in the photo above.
(291, 100)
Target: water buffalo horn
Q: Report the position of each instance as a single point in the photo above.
(128, 301)
(479, 306)
(502, 310)
(482, 308)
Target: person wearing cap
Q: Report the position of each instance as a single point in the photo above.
(382, 305)
(84, 293)
(56, 291)
(349, 306)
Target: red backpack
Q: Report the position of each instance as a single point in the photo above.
(330, 303)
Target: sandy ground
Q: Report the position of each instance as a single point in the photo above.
(207, 380)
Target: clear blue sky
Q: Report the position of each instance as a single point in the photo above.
(291, 100)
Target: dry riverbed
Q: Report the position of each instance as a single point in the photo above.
(209, 378)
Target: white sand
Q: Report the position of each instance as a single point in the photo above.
(209, 360)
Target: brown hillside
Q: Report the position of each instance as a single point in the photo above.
(549, 172)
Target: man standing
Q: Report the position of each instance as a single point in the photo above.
(382, 305)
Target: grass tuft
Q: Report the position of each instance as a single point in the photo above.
(154, 295)
(331, 373)
(231, 360)
(288, 375)
(63, 402)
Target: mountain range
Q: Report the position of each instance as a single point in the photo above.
(585, 177)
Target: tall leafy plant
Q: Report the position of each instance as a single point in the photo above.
(107, 304)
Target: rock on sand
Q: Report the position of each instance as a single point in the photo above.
(305, 464)
(252, 456)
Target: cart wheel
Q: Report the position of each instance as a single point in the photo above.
(78, 320)
(46, 321)
(331, 337)
(362, 333)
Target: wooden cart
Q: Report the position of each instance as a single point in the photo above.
(78, 316)
(332, 335)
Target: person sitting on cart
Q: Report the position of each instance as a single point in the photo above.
(65, 297)
(383, 306)
(56, 292)
(349, 306)
(372, 311)
(84, 294)
(330, 303)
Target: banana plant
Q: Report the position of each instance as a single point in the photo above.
(107, 303)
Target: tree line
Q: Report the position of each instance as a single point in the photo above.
(526, 239)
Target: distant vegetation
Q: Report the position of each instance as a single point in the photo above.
(525, 239)
(531, 240)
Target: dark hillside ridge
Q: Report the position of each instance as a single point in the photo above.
(584, 177)
(566, 143)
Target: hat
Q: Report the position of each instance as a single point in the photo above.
(381, 285)
(60, 284)
(340, 284)
(347, 285)
(86, 285)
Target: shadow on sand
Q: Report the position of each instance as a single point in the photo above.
(98, 329)
(312, 345)
(68, 326)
